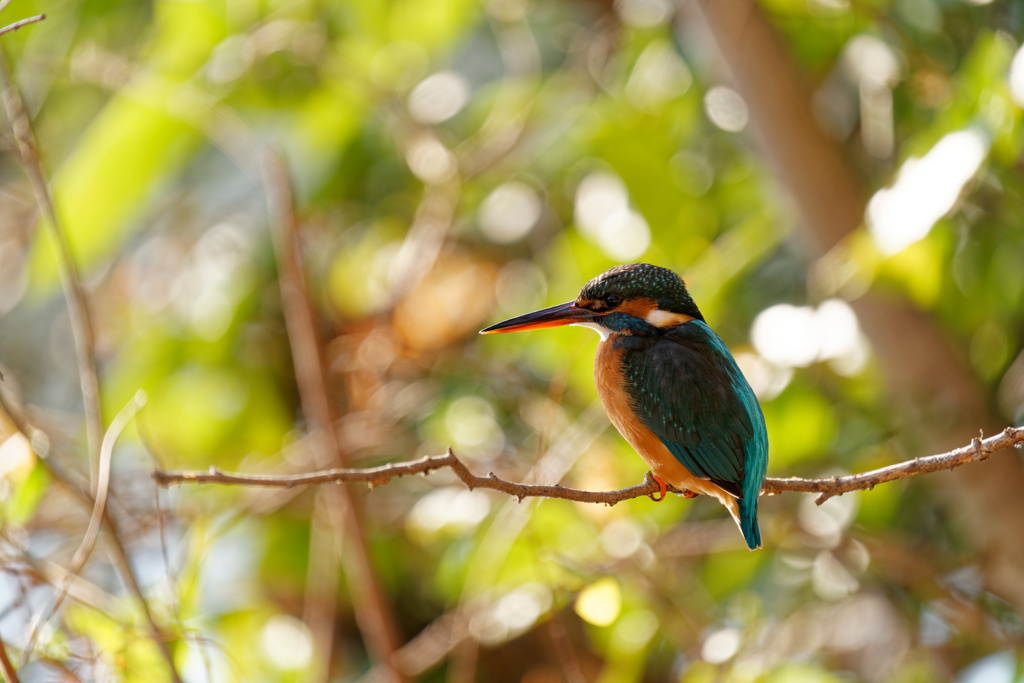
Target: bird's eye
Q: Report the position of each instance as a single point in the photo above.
(613, 300)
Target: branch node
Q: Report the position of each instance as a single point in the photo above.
(979, 453)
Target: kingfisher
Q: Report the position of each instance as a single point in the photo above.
(670, 386)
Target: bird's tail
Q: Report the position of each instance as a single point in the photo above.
(748, 521)
(744, 512)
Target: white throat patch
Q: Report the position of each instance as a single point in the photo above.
(600, 329)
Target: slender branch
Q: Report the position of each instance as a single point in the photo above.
(6, 667)
(374, 616)
(98, 510)
(978, 450)
(52, 570)
(74, 292)
(82, 334)
(23, 22)
(828, 487)
(43, 570)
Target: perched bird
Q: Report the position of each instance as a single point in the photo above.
(670, 386)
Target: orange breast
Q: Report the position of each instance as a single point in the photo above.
(611, 389)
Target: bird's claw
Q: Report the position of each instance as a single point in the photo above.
(690, 494)
(662, 486)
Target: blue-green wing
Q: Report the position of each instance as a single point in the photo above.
(687, 389)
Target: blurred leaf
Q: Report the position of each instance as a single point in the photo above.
(157, 191)
(801, 425)
(728, 571)
(27, 495)
(801, 673)
(433, 24)
(101, 189)
(135, 144)
(919, 268)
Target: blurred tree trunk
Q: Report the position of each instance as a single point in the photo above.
(921, 365)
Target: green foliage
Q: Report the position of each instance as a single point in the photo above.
(28, 494)
(153, 121)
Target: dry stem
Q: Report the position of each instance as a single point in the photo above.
(74, 292)
(81, 324)
(22, 22)
(99, 510)
(828, 487)
(373, 613)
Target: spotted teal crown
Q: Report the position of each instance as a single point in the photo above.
(636, 280)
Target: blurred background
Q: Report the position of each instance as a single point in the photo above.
(839, 182)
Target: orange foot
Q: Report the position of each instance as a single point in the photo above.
(662, 485)
(690, 494)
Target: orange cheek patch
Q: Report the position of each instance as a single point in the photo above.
(647, 309)
(638, 308)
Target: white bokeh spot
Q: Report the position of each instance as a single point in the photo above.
(726, 109)
(429, 160)
(720, 646)
(438, 97)
(1016, 77)
(286, 642)
(788, 336)
(604, 217)
(510, 212)
(925, 190)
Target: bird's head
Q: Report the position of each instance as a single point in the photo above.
(638, 299)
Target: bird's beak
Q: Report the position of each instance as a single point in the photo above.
(556, 316)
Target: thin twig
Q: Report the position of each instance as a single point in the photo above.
(10, 675)
(43, 570)
(373, 613)
(82, 335)
(99, 509)
(978, 450)
(324, 564)
(23, 22)
(120, 556)
(172, 579)
(74, 292)
(828, 487)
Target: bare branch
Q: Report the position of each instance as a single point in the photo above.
(82, 334)
(977, 451)
(373, 613)
(118, 553)
(23, 22)
(74, 292)
(98, 511)
(6, 666)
